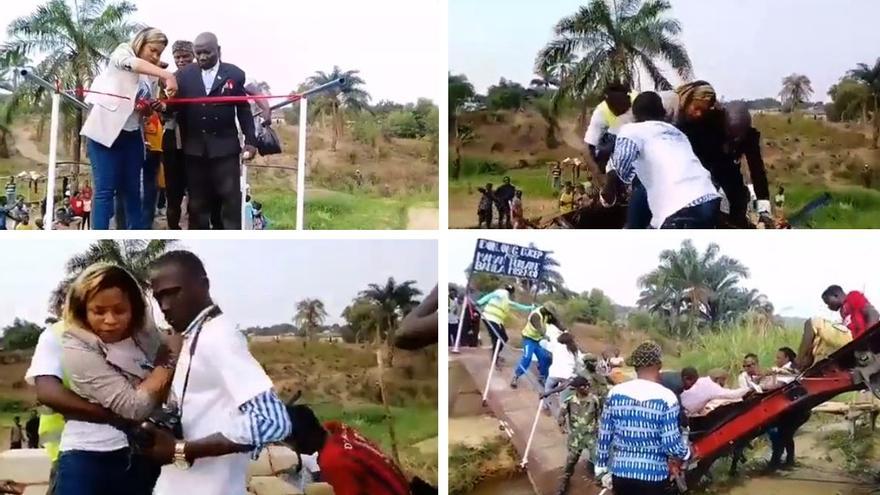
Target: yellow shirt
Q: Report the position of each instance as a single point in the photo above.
(566, 202)
(29, 226)
(153, 132)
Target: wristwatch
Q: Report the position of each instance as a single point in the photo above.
(180, 461)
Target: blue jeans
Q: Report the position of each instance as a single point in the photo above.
(116, 172)
(117, 472)
(638, 213)
(701, 216)
(533, 348)
(151, 188)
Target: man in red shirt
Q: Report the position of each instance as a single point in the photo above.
(822, 337)
(349, 463)
(858, 314)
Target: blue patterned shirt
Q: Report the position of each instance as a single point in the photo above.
(639, 432)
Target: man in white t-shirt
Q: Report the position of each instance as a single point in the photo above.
(224, 398)
(680, 191)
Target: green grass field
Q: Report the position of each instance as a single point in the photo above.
(339, 211)
(852, 207)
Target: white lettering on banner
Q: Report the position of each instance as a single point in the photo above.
(508, 259)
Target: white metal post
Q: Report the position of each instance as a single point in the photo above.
(491, 369)
(460, 325)
(525, 459)
(48, 221)
(301, 163)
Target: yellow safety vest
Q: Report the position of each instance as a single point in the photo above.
(52, 423)
(530, 332)
(610, 118)
(497, 308)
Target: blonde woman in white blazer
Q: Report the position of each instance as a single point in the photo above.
(115, 141)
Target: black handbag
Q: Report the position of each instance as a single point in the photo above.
(268, 142)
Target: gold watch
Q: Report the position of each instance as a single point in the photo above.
(180, 461)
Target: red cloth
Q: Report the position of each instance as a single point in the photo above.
(353, 465)
(77, 206)
(853, 313)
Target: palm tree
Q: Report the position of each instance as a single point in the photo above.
(696, 287)
(392, 300)
(851, 99)
(870, 77)
(351, 98)
(796, 90)
(460, 92)
(310, 315)
(615, 41)
(136, 256)
(75, 36)
(10, 61)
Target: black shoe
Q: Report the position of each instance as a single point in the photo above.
(513, 383)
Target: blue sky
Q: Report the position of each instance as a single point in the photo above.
(743, 47)
(792, 267)
(256, 282)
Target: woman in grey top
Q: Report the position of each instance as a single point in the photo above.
(113, 356)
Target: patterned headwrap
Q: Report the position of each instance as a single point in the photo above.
(697, 90)
(645, 355)
(182, 46)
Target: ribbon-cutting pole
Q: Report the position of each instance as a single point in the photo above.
(525, 459)
(49, 220)
(301, 164)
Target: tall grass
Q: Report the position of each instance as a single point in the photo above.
(851, 207)
(533, 181)
(725, 348)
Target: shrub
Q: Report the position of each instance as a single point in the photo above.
(402, 124)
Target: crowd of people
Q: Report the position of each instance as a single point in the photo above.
(134, 410)
(151, 155)
(673, 156)
(633, 431)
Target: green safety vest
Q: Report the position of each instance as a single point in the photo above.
(610, 118)
(497, 308)
(52, 423)
(530, 332)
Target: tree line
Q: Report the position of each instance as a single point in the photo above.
(687, 293)
(373, 315)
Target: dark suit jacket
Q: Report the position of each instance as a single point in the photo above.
(209, 130)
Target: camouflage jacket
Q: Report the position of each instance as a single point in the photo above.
(583, 420)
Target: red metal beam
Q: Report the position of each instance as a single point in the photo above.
(806, 392)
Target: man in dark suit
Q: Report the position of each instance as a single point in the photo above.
(210, 137)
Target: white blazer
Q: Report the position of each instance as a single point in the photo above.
(109, 113)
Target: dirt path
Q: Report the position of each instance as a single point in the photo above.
(423, 218)
(26, 147)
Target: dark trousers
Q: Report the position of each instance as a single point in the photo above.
(701, 216)
(504, 218)
(638, 213)
(105, 473)
(116, 173)
(730, 179)
(453, 331)
(496, 331)
(151, 188)
(627, 486)
(214, 187)
(782, 439)
(86, 223)
(484, 216)
(175, 179)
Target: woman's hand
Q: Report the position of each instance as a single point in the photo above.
(170, 84)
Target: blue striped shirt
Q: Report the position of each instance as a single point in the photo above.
(267, 420)
(639, 431)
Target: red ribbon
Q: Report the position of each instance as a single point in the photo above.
(204, 99)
